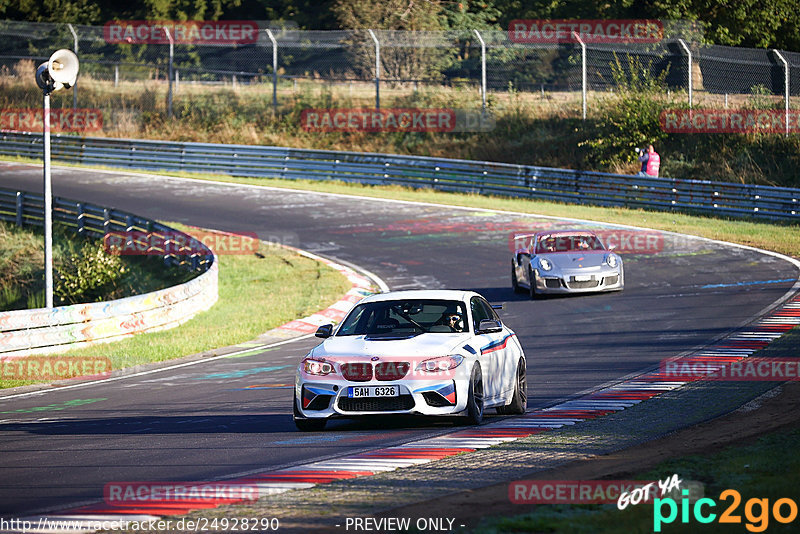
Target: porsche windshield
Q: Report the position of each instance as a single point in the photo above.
(568, 243)
(393, 318)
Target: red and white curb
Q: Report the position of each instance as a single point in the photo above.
(361, 286)
(605, 401)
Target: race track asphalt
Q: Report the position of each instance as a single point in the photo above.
(233, 415)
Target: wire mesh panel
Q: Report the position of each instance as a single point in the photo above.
(130, 82)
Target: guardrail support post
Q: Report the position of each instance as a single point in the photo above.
(583, 72)
(786, 86)
(75, 49)
(20, 204)
(689, 60)
(377, 69)
(483, 70)
(79, 218)
(274, 69)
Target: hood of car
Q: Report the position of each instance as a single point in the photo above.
(567, 261)
(367, 347)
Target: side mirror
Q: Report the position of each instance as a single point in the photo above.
(489, 326)
(324, 331)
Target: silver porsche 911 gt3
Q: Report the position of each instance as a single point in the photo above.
(564, 261)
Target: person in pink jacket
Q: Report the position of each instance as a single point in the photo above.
(650, 160)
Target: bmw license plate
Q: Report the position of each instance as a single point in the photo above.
(373, 391)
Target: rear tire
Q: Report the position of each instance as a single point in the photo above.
(307, 425)
(475, 397)
(519, 401)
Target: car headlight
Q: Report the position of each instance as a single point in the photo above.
(611, 260)
(442, 363)
(318, 367)
(545, 264)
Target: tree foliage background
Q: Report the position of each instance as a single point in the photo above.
(750, 23)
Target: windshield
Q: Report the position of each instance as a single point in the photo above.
(405, 318)
(568, 243)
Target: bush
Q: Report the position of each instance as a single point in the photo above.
(89, 275)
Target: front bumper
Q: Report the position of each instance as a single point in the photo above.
(606, 279)
(327, 397)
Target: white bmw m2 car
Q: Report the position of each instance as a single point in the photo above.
(421, 352)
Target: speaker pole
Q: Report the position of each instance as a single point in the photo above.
(48, 206)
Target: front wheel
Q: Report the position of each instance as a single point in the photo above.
(514, 282)
(475, 397)
(519, 402)
(307, 425)
(532, 286)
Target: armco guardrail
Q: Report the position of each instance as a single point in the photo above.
(562, 185)
(26, 332)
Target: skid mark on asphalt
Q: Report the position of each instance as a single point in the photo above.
(241, 373)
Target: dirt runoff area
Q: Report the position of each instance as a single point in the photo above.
(778, 409)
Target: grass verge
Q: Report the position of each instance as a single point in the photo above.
(757, 469)
(775, 236)
(760, 467)
(256, 293)
(779, 237)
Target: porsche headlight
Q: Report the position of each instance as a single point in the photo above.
(440, 364)
(318, 367)
(611, 260)
(545, 264)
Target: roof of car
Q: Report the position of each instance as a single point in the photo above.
(557, 233)
(566, 232)
(438, 294)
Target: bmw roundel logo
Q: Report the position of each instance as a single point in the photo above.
(375, 358)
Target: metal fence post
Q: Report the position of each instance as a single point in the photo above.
(274, 69)
(169, 76)
(583, 72)
(689, 57)
(48, 205)
(483, 69)
(377, 70)
(786, 86)
(75, 49)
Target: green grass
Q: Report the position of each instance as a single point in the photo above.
(22, 270)
(778, 237)
(775, 236)
(255, 295)
(764, 469)
(761, 470)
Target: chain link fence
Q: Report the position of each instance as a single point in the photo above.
(284, 69)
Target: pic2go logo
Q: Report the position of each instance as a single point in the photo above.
(756, 511)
